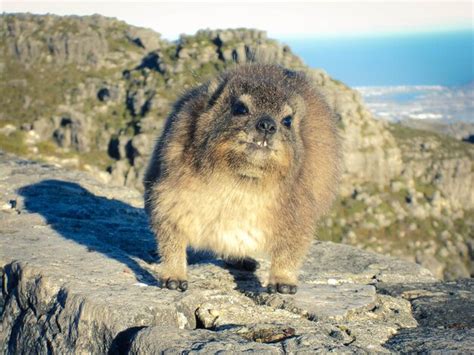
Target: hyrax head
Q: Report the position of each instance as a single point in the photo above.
(252, 125)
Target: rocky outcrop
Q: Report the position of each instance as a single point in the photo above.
(371, 153)
(79, 275)
(436, 160)
(405, 193)
(148, 74)
(443, 312)
(70, 40)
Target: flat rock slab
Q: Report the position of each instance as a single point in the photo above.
(323, 301)
(78, 264)
(168, 340)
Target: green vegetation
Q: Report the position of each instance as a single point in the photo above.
(406, 136)
(37, 91)
(369, 220)
(95, 158)
(428, 189)
(14, 143)
(201, 38)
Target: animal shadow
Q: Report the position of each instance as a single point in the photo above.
(103, 225)
(108, 226)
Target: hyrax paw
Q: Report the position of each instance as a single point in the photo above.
(172, 284)
(282, 288)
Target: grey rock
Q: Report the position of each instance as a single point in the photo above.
(345, 264)
(73, 131)
(238, 339)
(324, 301)
(79, 275)
(142, 145)
(429, 340)
(144, 37)
(447, 305)
(444, 315)
(44, 127)
(371, 153)
(70, 40)
(168, 340)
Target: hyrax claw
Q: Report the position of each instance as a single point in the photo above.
(182, 285)
(282, 288)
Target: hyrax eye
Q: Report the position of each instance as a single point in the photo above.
(287, 121)
(239, 109)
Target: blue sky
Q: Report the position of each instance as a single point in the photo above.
(425, 58)
(279, 19)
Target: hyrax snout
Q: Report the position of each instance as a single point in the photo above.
(246, 165)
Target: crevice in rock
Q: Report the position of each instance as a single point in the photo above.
(200, 324)
(123, 340)
(269, 335)
(204, 320)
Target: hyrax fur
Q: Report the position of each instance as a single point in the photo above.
(246, 165)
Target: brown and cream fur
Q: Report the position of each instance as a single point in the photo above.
(215, 182)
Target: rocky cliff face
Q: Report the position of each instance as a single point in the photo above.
(92, 41)
(92, 93)
(142, 82)
(77, 263)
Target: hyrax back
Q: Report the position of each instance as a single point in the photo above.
(246, 165)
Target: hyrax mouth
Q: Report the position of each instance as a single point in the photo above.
(259, 143)
(265, 129)
(262, 144)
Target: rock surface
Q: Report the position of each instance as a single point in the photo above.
(444, 312)
(79, 275)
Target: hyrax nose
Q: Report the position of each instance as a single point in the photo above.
(266, 125)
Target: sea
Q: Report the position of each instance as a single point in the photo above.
(422, 75)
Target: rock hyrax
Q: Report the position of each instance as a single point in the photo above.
(246, 165)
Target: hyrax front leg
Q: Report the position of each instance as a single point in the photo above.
(286, 259)
(172, 251)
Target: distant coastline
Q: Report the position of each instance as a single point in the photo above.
(418, 102)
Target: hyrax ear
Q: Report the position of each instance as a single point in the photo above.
(215, 87)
